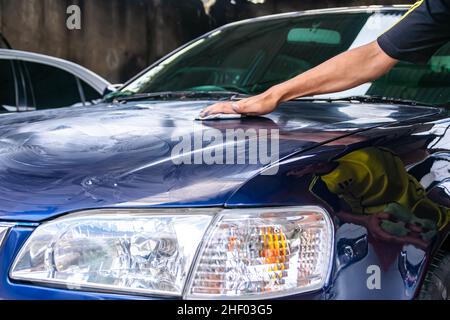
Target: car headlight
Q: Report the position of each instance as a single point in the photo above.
(136, 251)
(198, 253)
(263, 253)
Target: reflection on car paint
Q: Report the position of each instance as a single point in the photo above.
(119, 154)
(93, 168)
(350, 250)
(410, 269)
(373, 182)
(434, 172)
(406, 150)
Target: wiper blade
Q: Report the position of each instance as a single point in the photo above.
(374, 99)
(167, 95)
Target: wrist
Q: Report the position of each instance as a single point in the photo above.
(276, 94)
(284, 92)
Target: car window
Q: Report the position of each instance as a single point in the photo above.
(52, 87)
(89, 92)
(7, 87)
(251, 57)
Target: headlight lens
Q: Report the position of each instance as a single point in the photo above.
(264, 254)
(246, 253)
(134, 252)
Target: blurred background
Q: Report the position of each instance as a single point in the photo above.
(118, 38)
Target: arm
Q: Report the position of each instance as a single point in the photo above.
(345, 71)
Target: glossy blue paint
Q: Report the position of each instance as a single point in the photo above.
(55, 162)
(309, 141)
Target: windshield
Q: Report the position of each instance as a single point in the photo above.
(251, 57)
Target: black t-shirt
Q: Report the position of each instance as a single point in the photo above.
(420, 33)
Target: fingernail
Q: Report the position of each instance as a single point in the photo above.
(235, 107)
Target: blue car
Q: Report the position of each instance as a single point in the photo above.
(340, 196)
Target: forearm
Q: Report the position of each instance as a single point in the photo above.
(345, 71)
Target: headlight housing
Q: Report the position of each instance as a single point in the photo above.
(197, 253)
(132, 251)
(262, 253)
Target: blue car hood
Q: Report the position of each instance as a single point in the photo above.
(62, 160)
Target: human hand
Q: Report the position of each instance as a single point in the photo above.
(257, 105)
(373, 223)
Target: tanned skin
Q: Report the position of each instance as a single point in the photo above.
(344, 71)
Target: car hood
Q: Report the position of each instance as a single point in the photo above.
(62, 160)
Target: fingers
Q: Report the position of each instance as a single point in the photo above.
(221, 107)
(256, 105)
(230, 107)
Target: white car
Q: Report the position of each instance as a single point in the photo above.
(31, 81)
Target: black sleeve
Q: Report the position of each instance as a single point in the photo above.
(420, 32)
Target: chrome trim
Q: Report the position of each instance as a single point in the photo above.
(4, 229)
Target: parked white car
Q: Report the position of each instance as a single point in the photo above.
(31, 81)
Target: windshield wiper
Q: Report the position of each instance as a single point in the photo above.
(168, 95)
(374, 99)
